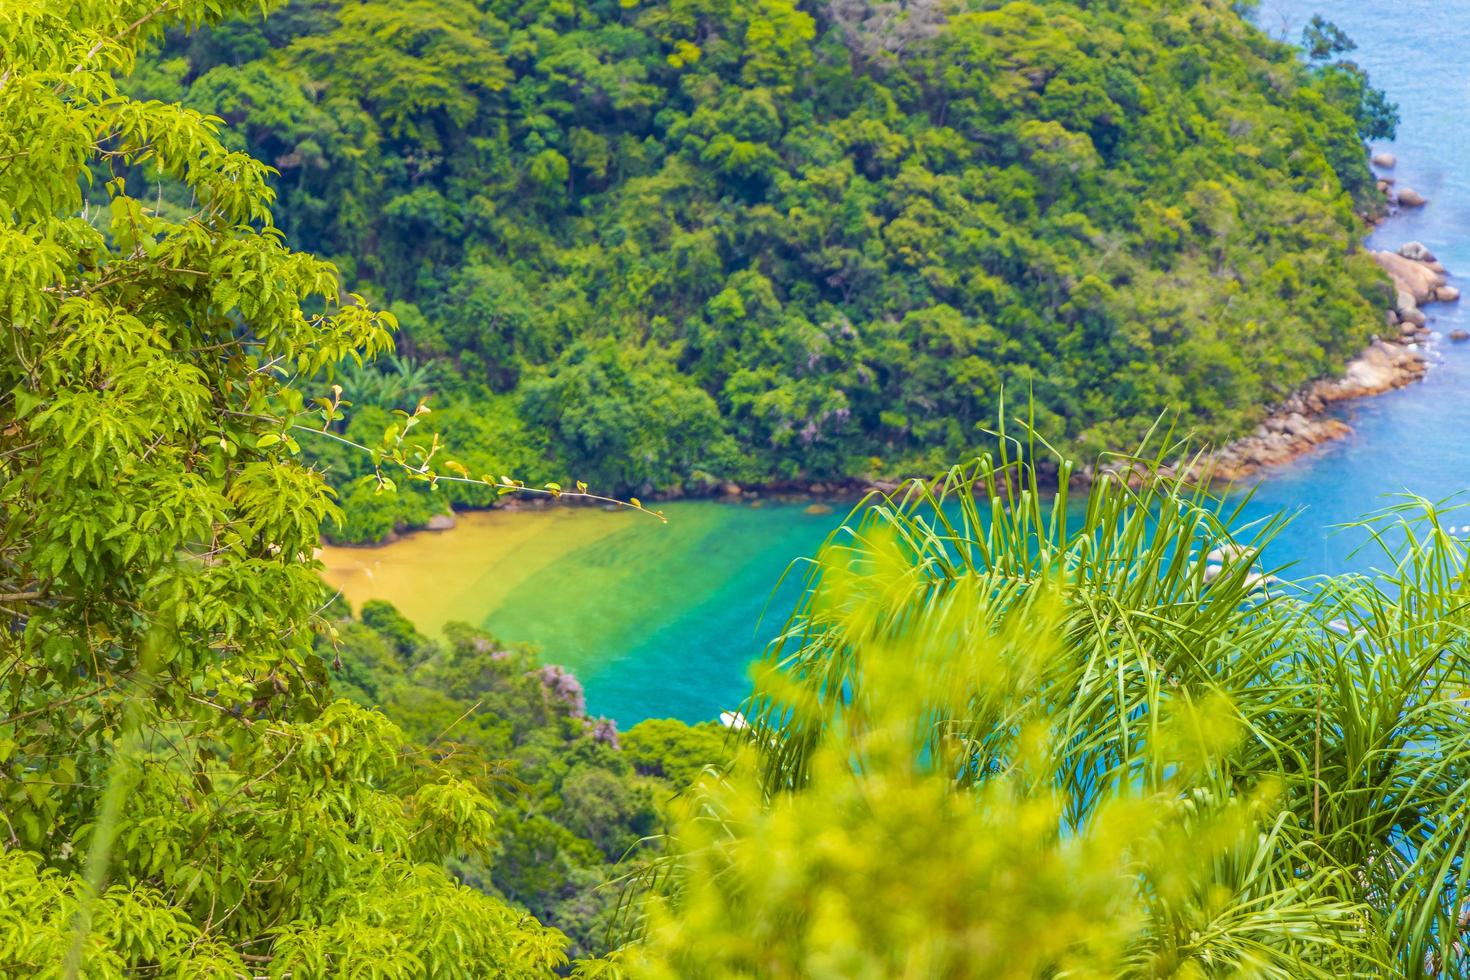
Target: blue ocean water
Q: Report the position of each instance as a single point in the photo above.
(664, 620)
(1416, 440)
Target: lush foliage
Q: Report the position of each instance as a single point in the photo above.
(582, 804)
(178, 794)
(1005, 737)
(1345, 82)
(1002, 736)
(663, 243)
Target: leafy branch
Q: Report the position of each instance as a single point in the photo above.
(416, 460)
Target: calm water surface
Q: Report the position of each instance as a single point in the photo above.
(657, 621)
(663, 620)
(1418, 439)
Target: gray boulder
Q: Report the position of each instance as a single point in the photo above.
(1416, 251)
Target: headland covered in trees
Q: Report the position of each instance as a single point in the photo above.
(665, 247)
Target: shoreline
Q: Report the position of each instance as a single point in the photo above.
(1289, 431)
(1303, 421)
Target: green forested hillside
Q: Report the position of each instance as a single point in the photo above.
(656, 244)
(581, 804)
(1019, 740)
(179, 793)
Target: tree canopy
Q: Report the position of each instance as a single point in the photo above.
(781, 241)
(1001, 736)
(179, 793)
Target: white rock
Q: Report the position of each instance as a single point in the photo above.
(1258, 582)
(1228, 552)
(1416, 251)
(1385, 160)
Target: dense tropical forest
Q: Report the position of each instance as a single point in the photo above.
(579, 801)
(663, 245)
(1000, 737)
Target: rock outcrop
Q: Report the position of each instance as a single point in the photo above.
(1414, 279)
(1390, 362)
(1417, 251)
(1385, 160)
(1418, 279)
(1382, 367)
(1300, 425)
(1407, 197)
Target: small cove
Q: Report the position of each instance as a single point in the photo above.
(662, 621)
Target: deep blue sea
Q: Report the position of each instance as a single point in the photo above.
(662, 620)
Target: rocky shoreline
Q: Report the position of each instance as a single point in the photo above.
(1291, 430)
(1394, 359)
(1301, 423)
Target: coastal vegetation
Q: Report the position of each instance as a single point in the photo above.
(180, 794)
(1000, 736)
(663, 245)
(1099, 741)
(581, 804)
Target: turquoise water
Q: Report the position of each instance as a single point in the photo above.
(1416, 440)
(675, 637)
(657, 620)
(663, 620)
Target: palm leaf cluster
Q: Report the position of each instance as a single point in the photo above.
(1197, 769)
(394, 381)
